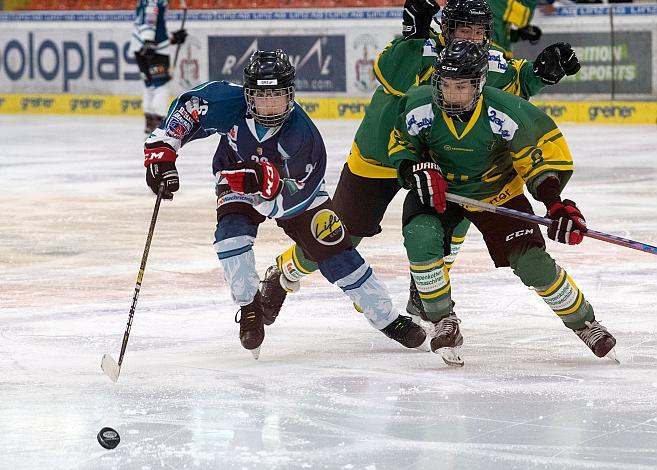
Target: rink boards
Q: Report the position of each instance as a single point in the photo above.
(591, 112)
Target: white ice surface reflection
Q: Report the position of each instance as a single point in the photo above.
(328, 391)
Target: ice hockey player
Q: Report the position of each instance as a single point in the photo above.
(270, 163)
(150, 44)
(485, 144)
(368, 182)
(512, 22)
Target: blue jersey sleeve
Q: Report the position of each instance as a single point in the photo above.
(303, 167)
(202, 111)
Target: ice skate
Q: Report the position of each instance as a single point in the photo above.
(407, 333)
(447, 340)
(252, 330)
(273, 293)
(598, 339)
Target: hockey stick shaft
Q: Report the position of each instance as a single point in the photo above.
(183, 4)
(140, 275)
(605, 237)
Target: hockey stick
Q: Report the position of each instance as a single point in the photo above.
(183, 4)
(110, 367)
(605, 237)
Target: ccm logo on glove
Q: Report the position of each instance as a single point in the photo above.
(254, 178)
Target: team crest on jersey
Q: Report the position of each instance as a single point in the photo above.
(497, 62)
(419, 118)
(501, 124)
(178, 127)
(327, 227)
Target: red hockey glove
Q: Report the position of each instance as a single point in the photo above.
(428, 182)
(569, 223)
(254, 178)
(160, 163)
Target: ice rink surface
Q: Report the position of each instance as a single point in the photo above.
(329, 391)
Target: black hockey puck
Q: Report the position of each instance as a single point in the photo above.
(108, 438)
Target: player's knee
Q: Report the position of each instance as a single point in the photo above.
(340, 265)
(234, 225)
(533, 265)
(423, 238)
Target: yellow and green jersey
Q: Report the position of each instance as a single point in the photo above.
(408, 62)
(507, 143)
(507, 13)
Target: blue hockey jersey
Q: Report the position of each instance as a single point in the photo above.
(150, 25)
(296, 148)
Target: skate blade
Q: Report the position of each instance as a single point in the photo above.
(426, 345)
(612, 355)
(255, 352)
(451, 356)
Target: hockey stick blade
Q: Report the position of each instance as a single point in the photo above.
(110, 367)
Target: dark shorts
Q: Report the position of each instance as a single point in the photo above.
(362, 202)
(155, 69)
(504, 235)
(319, 232)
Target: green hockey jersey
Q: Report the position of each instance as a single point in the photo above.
(506, 144)
(508, 13)
(403, 64)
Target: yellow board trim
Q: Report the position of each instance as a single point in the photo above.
(585, 112)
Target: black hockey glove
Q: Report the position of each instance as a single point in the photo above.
(147, 51)
(166, 172)
(416, 19)
(530, 33)
(178, 37)
(556, 61)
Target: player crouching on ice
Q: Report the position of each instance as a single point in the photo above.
(270, 163)
(485, 144)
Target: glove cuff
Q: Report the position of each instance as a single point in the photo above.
(272, 184)
(159, 155)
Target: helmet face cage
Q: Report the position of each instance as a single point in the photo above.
(269, 107)
(455, 95)
(479, 32)
(459, 76)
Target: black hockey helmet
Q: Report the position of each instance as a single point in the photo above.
(466, 13)
(463, 61)
(268, 76)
